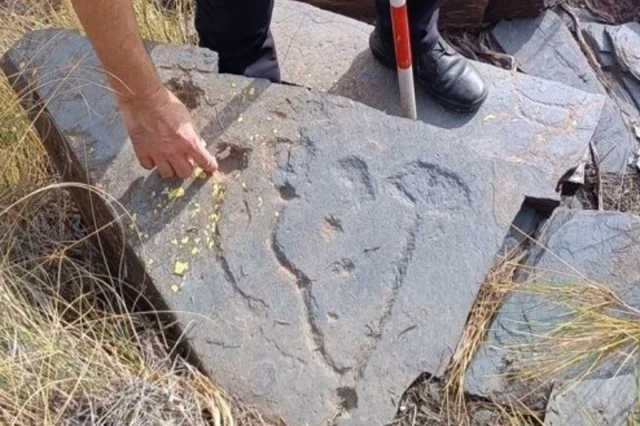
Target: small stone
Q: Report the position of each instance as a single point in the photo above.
(180, 268)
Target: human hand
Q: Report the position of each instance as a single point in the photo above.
(163, 135)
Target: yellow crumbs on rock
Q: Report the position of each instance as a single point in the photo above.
(176, 193)
(198, 172)
(175, 288)
(134, 219)
(180, 268)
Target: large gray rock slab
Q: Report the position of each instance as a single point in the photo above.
(324, 270)
(575, 249)
(545, 47)
(609, 402)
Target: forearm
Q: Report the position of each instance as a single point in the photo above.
(111, 27)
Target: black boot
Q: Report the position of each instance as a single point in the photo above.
(447, 76)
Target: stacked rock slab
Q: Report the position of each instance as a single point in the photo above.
(545, 47)
(611, 402)
(335, 256)
(582, 251)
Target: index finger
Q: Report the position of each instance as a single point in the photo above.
(203, 157)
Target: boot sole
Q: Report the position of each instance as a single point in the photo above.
(447, 103)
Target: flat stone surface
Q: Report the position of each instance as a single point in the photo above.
(632, 85)
(328, 277)
(581, 247)
(609, 402)
(315, 47)
(545, 47)
(596, 35)
(625, 40)
(614, 143)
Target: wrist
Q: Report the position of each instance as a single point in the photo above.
(150, 95)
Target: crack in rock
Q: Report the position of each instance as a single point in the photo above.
(231, 279)
(282, 352)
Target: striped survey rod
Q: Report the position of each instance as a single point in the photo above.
(402, 42)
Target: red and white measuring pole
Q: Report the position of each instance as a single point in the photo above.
(404, 62)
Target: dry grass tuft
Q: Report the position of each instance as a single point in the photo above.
(499, 282)
(601, 332)
(70, 353)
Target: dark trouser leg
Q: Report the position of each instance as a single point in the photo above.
(423, 17)
(239, 31)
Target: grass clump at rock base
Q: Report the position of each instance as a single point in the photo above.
(70, 353)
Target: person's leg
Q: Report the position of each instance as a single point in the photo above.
(449, 77)
(238, 30)
(423, 18)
